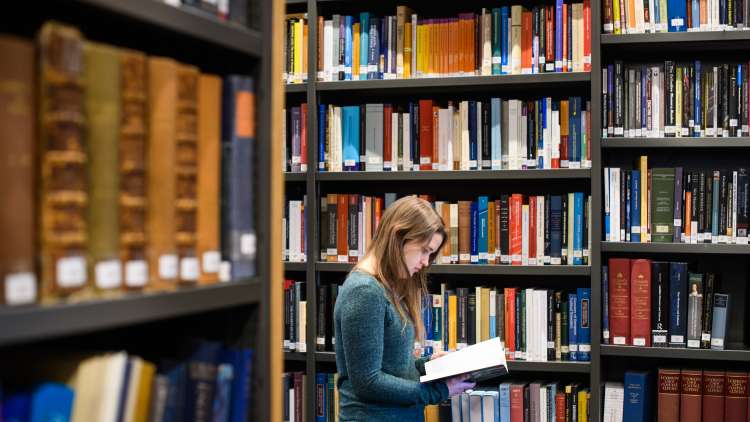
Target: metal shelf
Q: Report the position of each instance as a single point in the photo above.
(295, 356)
(35, 323)
(569, 367)
(675, 353)
(637, 143)
(475, 269)
(381, 176)
(295, 88)
(295, 266)
(295, 177)
(675, 248)
(691, 41)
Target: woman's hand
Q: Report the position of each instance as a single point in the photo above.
(438, 353)
(459, 384)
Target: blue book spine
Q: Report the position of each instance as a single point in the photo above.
(241, 361)
(373, 51)
(677, 304)
(321, 400)
(350, 117)
(578, 228)
(552, 402)
(446, 320)
(697, 111)
(584, 324)
(383, 48)
(505, 50)
(696, 14)
(322, 137)
(222, 398)
(542, 105)
(574, 138)
(505, 402)
(607, 200)
(635, 206)
(677, 14)
(474, 233)
(51, 401)
(719, 323)
(482, 230)
(497, 51)
(572, 326)
(605, 304)
(364, 41)
(555, 229)
(473, 135)
(239, 242)
(636, 397)
(559, 36)
(414, 133)
(715, 206)
(497, 152)
(348, 59)
(16, 407)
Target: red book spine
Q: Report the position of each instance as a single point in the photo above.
(510, 323)
(516, 403)
(435, 147)
(640, 302)
(526, 41)
(669, 395)
(303, 138)
(354, 229)
(425, 134)
(516, 203)
(387, 137)
(560, 407)
(549, 49)
(735, 403)
(619, 300)
(587, 35)
(532, 230)
(342, 214)
(713, 396)
(691, 389)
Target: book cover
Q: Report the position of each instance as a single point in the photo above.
(677, 304)
(691, 392)
(637, 392)
(669, 395)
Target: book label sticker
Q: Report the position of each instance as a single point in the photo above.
(20, 288)
(717, 342)
(225, 271)
(168, 266)
(694, 344)
(320, 341)
(706, 336)
(189, 268)
(108, 274)
(248, 244)
(677, 339)
(639, 341)
(211, 262)
(660, 339)
(136, 273)
(584, 348)
(620, 341)
(71, 272)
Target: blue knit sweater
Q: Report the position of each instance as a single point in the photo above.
(378, 374)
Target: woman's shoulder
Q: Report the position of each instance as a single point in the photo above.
(361, 283)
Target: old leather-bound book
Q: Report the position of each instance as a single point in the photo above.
(134, 168)
(102, 77)
(63, 187)
(187, 172)
(163, 261)
(18, 284)
(209, 176)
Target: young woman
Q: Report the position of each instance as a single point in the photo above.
(378, 317)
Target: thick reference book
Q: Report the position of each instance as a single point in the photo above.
(482, 361)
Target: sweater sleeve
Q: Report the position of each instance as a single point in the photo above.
(362, 322)
(419, 364)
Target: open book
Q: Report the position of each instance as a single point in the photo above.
(481, 361)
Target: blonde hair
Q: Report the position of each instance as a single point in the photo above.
(408, 219)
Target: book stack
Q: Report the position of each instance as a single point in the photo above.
(635, 17)
(502, 40)
(135, 174)
(515, 229)
(325, 340)
(327, 397)
(295, 316)
(484, 133)
(680, 205)
(295, 48)
(661, 304)
(295, 396)
(294, 239)
(294, 133)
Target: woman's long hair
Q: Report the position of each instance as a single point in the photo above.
(408, 219)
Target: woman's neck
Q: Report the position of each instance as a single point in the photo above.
(368, 265)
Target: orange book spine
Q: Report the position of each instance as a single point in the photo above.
(587, 35)
(526, 41)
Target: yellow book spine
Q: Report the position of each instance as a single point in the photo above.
(407, 50)
(298, 35)
(420, 49)
(644, 199)
(583, 406)
(616, 16)
(355, 51)
(452, 324)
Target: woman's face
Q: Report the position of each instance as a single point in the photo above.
(417, 254)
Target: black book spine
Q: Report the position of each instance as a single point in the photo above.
(701, 204)
(605, 102)
(686, 96)
(331, 338)
(690, 86)
(320, 340)
(564, 252)
(414, 133)
(353, 227)
(725, 116)
(637, 101)
(629, 103)
(287, 315)
(659, 303)
(708, 207)
(619, 99)
(564, 345)
(333, 224)
(530, 144)
(611, 100)
(471, 335)
(723, 203)
(523, 324)
(742, 203)
(293, 308)
(527, 417)
(744, 99)
(669, 105)
(324, 231)
(696, 230)
(551, 326)
(486, 138)
(542, 38)
(708, 312)
(678, 199)
(461, 313)
(500, 315)
(547, 238)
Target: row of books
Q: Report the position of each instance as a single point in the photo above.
(128, 159)
(294, 235)
(327, 397)
(515, 229)
(675, 99)
(295, 396)
(295, 316)
(662, 304)
(295, 48)
(533, 324)
(482, 134)
(638, 17)
(537, 401)
(679, 395)
(502, 40)
(675, 205)
(209, 383)
(294, 386)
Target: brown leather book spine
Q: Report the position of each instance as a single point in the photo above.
(464, 232)
(187, 173)
(333, 226)
(18, 284)
(133, 169)
(691, 390)
(735, 402)
(445, 214)
(713, 396)
(209, 177)
(619, 300)
(63, 185)
(669, 395)
(163, 261)
(640, 302)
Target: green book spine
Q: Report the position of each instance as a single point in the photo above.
(662, 204)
